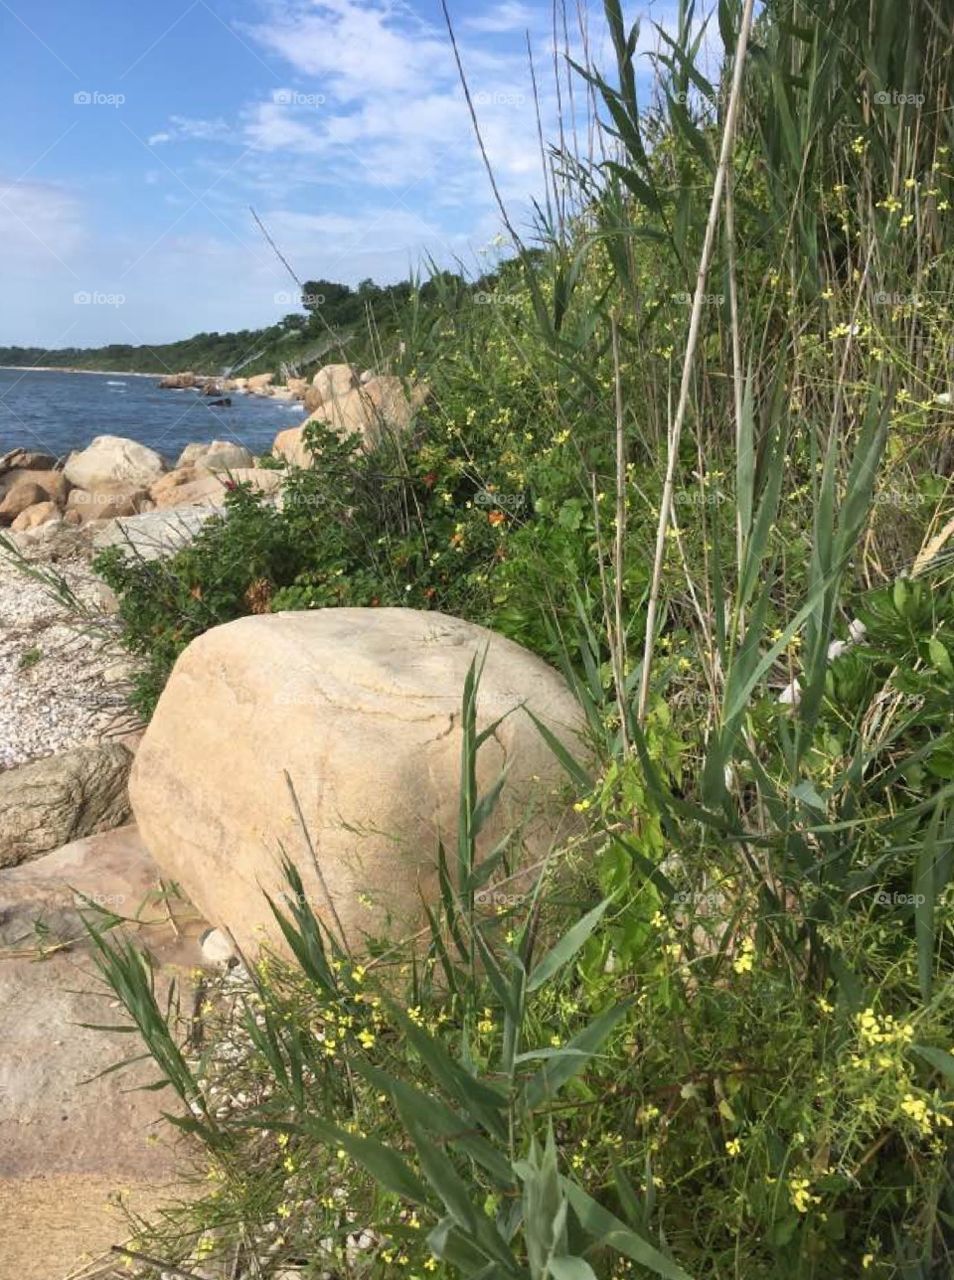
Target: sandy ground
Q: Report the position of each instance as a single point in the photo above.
(64, 1226)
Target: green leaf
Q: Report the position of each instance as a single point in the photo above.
(939, 1059)
(384, 1165)
(558, 1071)
(435, 1116)
(455, 1194)
(487, 803)
(572, 766)
(479, 1100)
(745, 463)
(566, 948)
(607, 1231)
(941, 658)
(568, 1268)
(538, 1055)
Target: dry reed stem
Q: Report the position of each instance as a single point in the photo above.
(675, 433)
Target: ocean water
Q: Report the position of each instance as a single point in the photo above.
(57, 412)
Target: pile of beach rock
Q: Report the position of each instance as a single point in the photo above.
(349, 400)
(352, 403)
(260, 384)
(115, 477)
(349, 702)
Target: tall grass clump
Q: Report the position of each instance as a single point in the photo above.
(694, 446)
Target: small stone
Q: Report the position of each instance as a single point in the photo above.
(216, 948)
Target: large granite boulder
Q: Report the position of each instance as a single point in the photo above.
(153, 535)
(109, 459)
(40, 513)
(217, 455)
(312, 399)
(379, 405)
(26, 460)
(61, 798)
(362, 708)
(370, 411)
(18, 499)
(194, 486)
(333, 381)
(289, 445)
(54, 484)
(106, 502)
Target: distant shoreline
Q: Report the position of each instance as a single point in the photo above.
(58, 368)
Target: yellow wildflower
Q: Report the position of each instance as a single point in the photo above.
(745, 960)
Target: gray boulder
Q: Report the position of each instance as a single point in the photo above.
(113, 458)
(51, 801)
(153, 535)
(218, 455)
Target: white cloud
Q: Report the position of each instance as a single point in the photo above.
(363, 163)
(379, 103)
(374, 104)
(273, 127)
(200, 130)
(191, 130)
(356, 47)
(504, 19)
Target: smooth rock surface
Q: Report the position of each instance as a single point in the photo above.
(334, 380)
(18, 499)
(108, 459)
(195, 486)
(362, 708)
(290, 445)
(71, 1138)
(106, 501)
(378, 406)
(26, 460)
(54, 484)
(40, 513)
(154, 534)
(218, 455)
(178, 381)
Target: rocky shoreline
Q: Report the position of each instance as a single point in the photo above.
(95, 813)
(61, 673)
(114, 477)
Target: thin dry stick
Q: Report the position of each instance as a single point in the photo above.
(665, 510)
(336, 339)
(542, 143)
(619, 646)
(480, 138)
(736, 334)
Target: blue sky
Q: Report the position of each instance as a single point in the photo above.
(138, 135)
